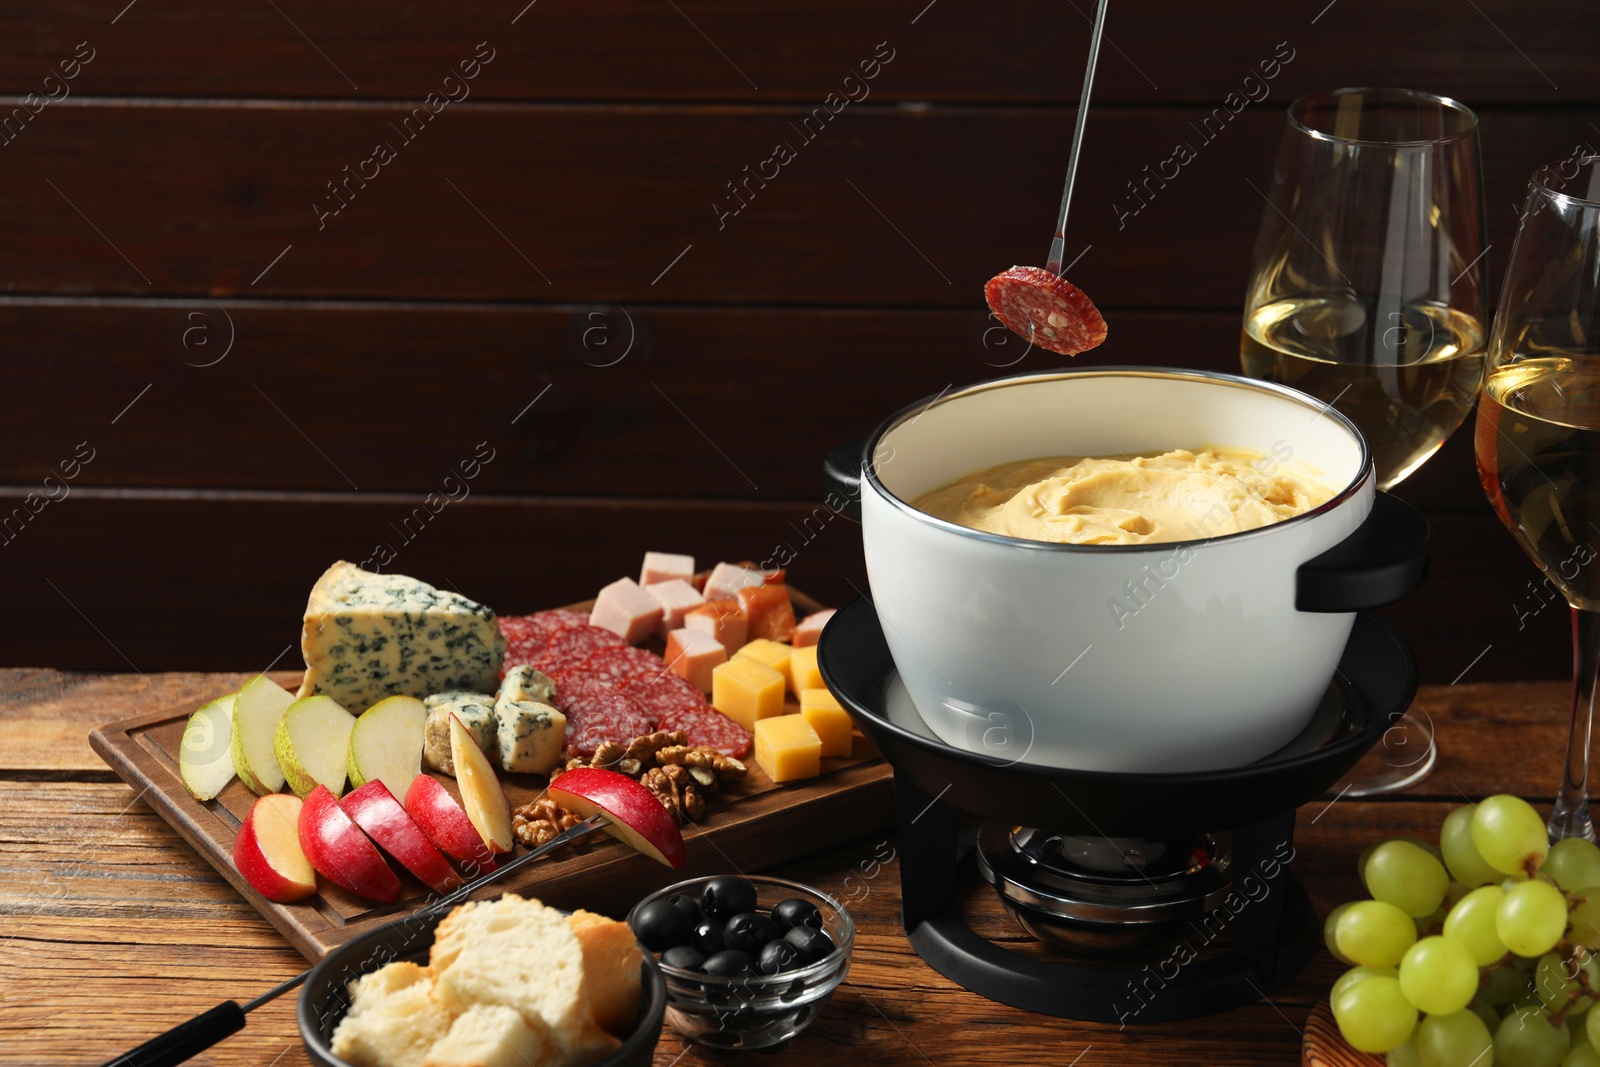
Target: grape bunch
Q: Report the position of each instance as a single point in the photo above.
(1483, 951)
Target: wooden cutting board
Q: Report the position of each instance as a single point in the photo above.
(748, 826)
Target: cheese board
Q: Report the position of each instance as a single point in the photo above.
(750, 824)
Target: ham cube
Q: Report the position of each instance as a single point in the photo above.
(676, 597)
(693, 654)
(809, 629)
(767, 612)
(723, 620)
(728, 578)
(664, 567)
(626, 610)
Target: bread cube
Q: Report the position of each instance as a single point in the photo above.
(611, 959)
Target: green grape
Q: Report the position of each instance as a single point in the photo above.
(1358, 974)
(1592, 1027)
(1453, 1040)
(1439, 975)
(1485, 1011)
(1576, 1020)
(1530, 919)
(1529, 1038)
(1407, 876)
(1502, 985)
(1509, 834)
(1460, 854)
(1556, 990)
(1375, 1016)
(1585, 919)
(1573, 864)
(1374, 933)
(1582, 1055)
(1404, 1054)
(1328, 926)
(1471, 922)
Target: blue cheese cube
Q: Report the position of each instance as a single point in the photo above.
(369, 636)
(476, 712)
(530, 736)
(527, 684)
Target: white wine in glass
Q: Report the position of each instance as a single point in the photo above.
(1366, 292)
(1538, 432)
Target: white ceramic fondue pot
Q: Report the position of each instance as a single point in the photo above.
(1187, 656)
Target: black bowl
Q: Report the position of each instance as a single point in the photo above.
(325, 996)
(1374, 684)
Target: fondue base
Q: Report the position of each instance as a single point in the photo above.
(1258, 947)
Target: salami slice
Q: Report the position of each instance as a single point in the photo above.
(625, 662)
(1045, 310)
(708, 726)
(597, 711)
(527, 634)
(663, 694)
(571, 645)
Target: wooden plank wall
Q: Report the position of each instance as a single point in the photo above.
(270, 274)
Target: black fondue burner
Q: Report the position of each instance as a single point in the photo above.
(1169, 894)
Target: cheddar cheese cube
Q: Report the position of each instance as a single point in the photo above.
(746, 691)
(803, 671)
(774, 654)
(692, 655)
(831, 722)
(788, 748)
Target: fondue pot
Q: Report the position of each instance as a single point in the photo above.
(1183, 656)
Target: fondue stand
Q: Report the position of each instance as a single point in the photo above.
(1160, 896)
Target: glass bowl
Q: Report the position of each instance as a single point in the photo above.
(756, 1011)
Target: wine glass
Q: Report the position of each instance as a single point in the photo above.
(1366, 292)
(1538, 432)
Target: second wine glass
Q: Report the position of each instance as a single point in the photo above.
(1366, 292)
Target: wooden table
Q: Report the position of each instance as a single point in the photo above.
(113, 929)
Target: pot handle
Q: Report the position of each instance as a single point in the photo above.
(1384, 560)
(841, 477)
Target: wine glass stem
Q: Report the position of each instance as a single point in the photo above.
(1570, 817)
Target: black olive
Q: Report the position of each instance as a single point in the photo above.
(728, 964)
(812, 944)
(749, 931)
(796, 912)
(778, 956)
(660, 925)
(723, 898)
(686, 904)
(683, 957)
(707, 937)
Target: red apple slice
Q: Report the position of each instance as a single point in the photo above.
(481, 796)
(438, 815)
(340, 852)
(636, 817)
(268, 853)
(377, 812)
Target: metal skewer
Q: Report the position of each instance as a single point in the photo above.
(1059, 242)
(194, 1036)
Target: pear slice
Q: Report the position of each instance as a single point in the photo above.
(311, 741)
(386, 744)
(256, 711)
(205, 759)
(481, 795)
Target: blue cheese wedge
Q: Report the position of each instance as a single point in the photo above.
(369, 636)
(530, 736)
(527, 684)
(476, 712)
